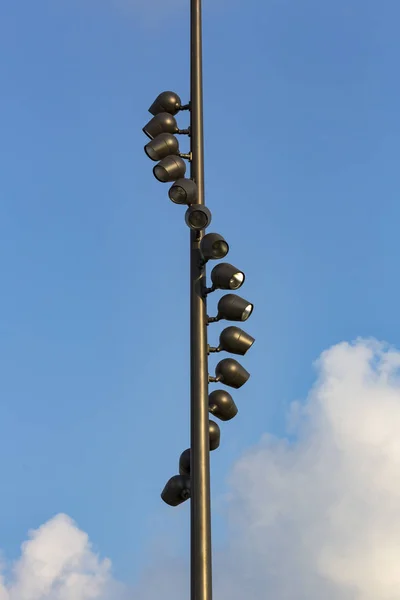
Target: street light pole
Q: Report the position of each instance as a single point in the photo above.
(193, 480)
(201, 558)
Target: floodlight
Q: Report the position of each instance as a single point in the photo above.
(170, 169)
(161, 123)
(222, 405)
(168, 102)
(215, 435)
(162, 146)
(183, 191)
(227, 277)
(184, 462)
(198, 217)
(234, 308)
(177, 490)
(213, 246)
(230, 372)
(235, 340)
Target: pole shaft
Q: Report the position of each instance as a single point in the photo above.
(201, 580)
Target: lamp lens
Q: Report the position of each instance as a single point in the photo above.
(178, 194)
(220, 249)
(236, 281)
(151, 153)
(160, 173)
(198, 219)
(247, 312)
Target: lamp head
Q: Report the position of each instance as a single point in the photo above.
(222, 405)
(231, 373)
(177, 490)
(227, 277)
(170, 169)
(161, 123)
(162, 146)
(234, 308)
(213, 246)
(215, 435)
(184, 462)
(235, 340)
(168, 102)
(198, 217)
(183, 191)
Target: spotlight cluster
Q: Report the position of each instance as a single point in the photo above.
(163, 147)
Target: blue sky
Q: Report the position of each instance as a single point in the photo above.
(301, 128)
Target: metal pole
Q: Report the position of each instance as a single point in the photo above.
(201, 579)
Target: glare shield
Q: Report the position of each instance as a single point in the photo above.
(183, 191)
(235, 340)
(222, 405)
(170, 169)
(231, 373)
(162, 123)
(198, 217)
(234, 308)
(227, 277)
(166, 102)
(214, 247)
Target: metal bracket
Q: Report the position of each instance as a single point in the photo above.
(212, 349)
(187, 156)
(212, 320)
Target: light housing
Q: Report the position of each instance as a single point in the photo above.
(184, 462)
(166, 102)
(213, 247)
(161, 123)
(235, 340)
(222, 405)
(162, 146)
(177, 490)
(170, 169)
(227, 277)
(198, 217)
(234, 308)
(229, 372)
(215, 435)
(183, 191)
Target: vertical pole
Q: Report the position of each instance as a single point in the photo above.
(201, 582)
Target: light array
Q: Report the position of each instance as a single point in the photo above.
(164, 148)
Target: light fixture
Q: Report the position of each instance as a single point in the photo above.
(235, 340)
(226, 277)
(161, 123)
(166, 102)
(213, 246)
(170, 169)
(177, 490)
(215, 435)
(162, 146)
(222, 405)
(234, 308)
(231, 373)
(184, 462)
(198, 217)
(183, 191)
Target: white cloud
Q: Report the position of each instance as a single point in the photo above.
(315, 518)
(321, 517)
(58, 563)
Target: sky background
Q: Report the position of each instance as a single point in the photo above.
(302, 132)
